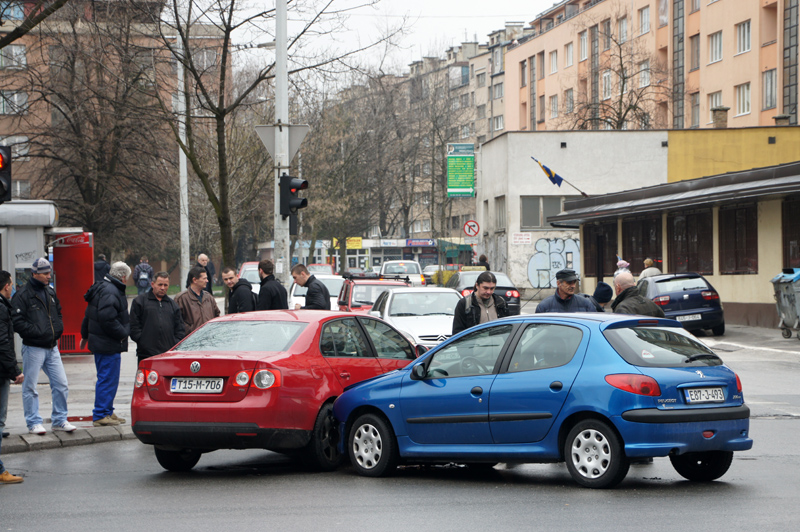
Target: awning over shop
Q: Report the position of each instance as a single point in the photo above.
(759, 183)
(451, 247)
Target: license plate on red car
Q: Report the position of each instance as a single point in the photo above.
(704, 395)
(195, 385)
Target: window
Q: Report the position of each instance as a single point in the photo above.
(584, 45)
(19, 147)
(530, 215)
(568, 55)
(695, 6)
(695, 103)
(553, 62)
(497, 124)
(481, 79)
(743, 99)
(600, 241)
(694, 52)
(12, 10)
(426, 225)
(500, 213)
(465, 100)
(641, 239)
(738, 239)
(715, 47)
(541, 65)
(388, 342)
(554, 106)
(644, 20)
(523, 73)
(498, 91)
(426, 170)
(791, 232)
(417, 227)
(569, 101)
(607, 85)
(623, 29)
(541, 108)
(714, 100)
(481, 111)
(204, 59)
(13, 103)
(474, 354)
(343, 338)
(770, 78)
(690, 242)
(644, 73)
(544, 346)
(13, 56)
(743, 37)
(464, 132)
(606, 34)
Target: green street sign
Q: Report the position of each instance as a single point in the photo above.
(460, 170)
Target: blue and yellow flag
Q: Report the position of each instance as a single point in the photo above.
(552, 176)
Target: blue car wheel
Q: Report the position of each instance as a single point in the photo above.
(702, 467)
(373, 447)
(594, 455)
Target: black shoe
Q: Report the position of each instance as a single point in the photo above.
(6, 434)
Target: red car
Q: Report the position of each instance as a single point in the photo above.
(260, 380)
(358, 295)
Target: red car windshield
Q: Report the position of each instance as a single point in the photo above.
(243, 336)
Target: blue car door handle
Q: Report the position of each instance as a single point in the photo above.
(556, 386)
(476, 390)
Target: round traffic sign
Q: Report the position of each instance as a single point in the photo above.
(471, 228)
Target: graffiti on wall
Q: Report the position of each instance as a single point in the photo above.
(551, 255)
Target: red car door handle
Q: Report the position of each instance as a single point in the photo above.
(344, 375)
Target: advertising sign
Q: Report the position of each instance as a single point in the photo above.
(460, 170)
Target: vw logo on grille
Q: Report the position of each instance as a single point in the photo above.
(701, 374)
(195, 367)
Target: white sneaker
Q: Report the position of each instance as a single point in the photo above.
(66, 427)
(37, 429)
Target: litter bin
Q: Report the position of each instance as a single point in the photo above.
(787, 299)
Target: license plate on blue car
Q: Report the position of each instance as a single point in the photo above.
(688, 317)
(704, 395)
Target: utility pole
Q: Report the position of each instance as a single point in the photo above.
(281, 154)
(183, 174)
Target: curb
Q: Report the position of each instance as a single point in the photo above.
(20, 443)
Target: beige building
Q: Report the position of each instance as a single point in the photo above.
(641, 64)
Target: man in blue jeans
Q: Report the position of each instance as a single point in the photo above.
(9, 372)
(106, 327)
(37, 319)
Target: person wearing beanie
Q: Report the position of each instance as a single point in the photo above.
(601, 297)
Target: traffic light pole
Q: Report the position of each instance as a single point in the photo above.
(281, 154)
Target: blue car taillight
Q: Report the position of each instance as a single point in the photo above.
(633, 383)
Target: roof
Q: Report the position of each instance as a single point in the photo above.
(733, 187)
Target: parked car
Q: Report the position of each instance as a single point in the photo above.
(428, 271)
(688, 298)
(402, 269)
(297, 293)
(425, 315)
(249, 271)
(320, 268)
(593, 390)
(260, 380)
(464, 283)
(359, 295)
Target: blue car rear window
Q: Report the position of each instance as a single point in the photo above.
(660, 347)
(243, 336)
(683, 284)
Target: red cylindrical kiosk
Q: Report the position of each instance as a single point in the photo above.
(73, 275)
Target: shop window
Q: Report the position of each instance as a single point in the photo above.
(690, 242)
(738, 239)
(791, 232)
(641, 239)
(600, 243)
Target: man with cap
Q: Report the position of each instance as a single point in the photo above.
(37, 319)
(564, 299)
(601, 297)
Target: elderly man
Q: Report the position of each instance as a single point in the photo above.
(564, 299)
(156, 320)
(37, 319)
(480, 306)
(196, 304)
(317, 295)
(105, 327)
(204, 262)
(630, 301)
(241, 298)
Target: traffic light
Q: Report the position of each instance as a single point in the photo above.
(5, 174)
(290, 202)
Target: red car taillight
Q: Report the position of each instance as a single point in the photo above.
(738, 383)
(638, 384)
(661, 300)
(512, 293)
(267, 378)
(423, 280)
(139, 379)
(152, 377)
(242, 378)
(709, 295)
(465, 292)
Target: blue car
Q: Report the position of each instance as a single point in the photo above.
(592, 390)
(688, 298)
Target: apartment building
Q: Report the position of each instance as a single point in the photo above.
(644, 64)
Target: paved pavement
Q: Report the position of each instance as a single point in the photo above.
(81, 375)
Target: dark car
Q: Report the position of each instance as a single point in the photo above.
(688, 298)
(464, 283)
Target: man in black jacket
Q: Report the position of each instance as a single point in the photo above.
(241, 297)
(156, 320)
(37, 319)
(480, 306)
(317, 295)
(101, 267)
(9, 371)
(630, 301)
(272, 295)
(106, 326)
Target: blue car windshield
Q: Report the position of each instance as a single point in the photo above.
(660, 347)
(243, 336)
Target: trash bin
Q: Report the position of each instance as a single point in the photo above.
(787, 299)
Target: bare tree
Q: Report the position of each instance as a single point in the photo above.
(36, 15)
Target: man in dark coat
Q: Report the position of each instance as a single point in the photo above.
(204, 262)
(241, 297)
(105, 327)
(9, 371)
(483, 262)
(601, 297)
(630, 301)
(101, 267)
(480, 306)
(37, 319)
(564, 300)
(142, 276)
(272, 295)
(156, 320)
(317, 295)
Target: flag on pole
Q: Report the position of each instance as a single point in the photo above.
(552, 176)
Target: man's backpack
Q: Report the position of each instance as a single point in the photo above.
(144, 278)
